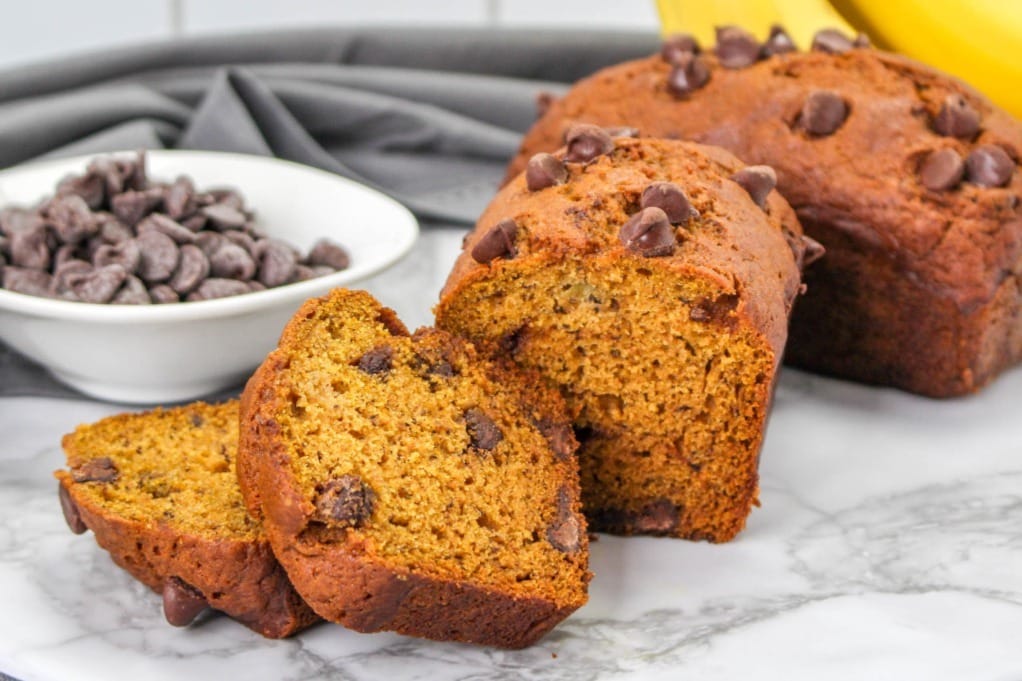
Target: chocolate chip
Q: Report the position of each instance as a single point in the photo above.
(244, 240)
(90, 187)
(72, 515)
(326, 253)
(679, 47)
(956, 118)
(812, 250)
(831, 41)
(65, 272)
(224, 216)
(29, 249)
(178, 198)
(71, 218)
(942, 170)
(131, 207)
(277, 262)
(162, 294)
(192, 268)
(345, 500)
(779, 42)
(649, 233)
(29, 281)
(210, 242)
(498, 242)
(758, 181)
(565, 532)
(823, 112)
(112, 230)
(671, 199)
(132, 292)
(218, 288)
(736, 48)
(586, 143)
(483, 433)
(376, 361)
(544, 100)
(862, 41)
(544, 170)
(989, 166)
(97, 286)
(161, 223)
(182, 602)
(101, 469)
(560, 436)
(658, 517)
(687, 76)
(160, 256)
(127, 254)
(231, 261)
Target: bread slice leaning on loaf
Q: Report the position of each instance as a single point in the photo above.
(160, 493)
(407, 484)
(651, 282)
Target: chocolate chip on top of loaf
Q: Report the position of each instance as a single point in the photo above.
(907, 176)
(408, 484)
(160, 493)
(652, 285)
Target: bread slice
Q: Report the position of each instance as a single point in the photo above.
(651, 281)
(408, 485)
(159, 492)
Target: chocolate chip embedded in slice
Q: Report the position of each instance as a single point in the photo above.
(182, 602)
(942, 170)
(560, 436)
(823, 113)
(736, 48)
(346, 500)
(678, 47)
(544, 170)
(657, 517)
(671, 199)
(498, 242)
(587, 142)
(989, 166)
(483, 433)
(831, 41)
(379, 360)
(544, 100)
(687, 76)
(758, 181)
(649, 233)
(956, 118)
(72, 515)
(778, 42)
(101, 469)
(565, 532)
(622, 131)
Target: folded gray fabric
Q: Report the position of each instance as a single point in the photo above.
(429, 117)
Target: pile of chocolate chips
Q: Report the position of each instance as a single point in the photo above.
(113, 236)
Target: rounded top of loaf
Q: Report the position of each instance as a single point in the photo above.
(728, 238)
(863, 179)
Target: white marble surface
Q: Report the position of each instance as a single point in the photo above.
(888, 546)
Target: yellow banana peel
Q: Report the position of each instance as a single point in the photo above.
(979, 41)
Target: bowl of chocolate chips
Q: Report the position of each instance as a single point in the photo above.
(168, 275)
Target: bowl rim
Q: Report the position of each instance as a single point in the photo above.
(38, 306)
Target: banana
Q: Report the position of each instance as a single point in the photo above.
(979, 41)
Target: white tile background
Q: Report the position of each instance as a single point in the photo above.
(31, 30)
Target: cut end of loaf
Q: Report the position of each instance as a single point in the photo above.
(667, 385)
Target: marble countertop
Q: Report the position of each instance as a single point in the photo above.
(888, 546)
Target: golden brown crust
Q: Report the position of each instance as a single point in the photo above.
(953, 258)
(339, 572)
(237, 576)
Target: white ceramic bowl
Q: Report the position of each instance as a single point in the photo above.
(148, 354)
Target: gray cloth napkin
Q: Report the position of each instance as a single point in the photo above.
(429, 117)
